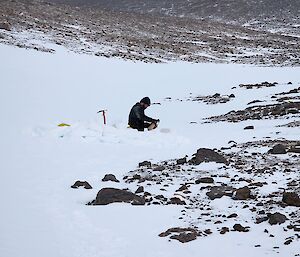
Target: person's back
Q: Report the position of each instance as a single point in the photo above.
(137, 118)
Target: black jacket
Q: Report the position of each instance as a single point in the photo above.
(137, 117)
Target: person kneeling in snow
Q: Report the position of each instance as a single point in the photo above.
(137, 118)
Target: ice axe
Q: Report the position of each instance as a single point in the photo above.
(103, 114)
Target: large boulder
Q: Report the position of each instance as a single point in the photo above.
(113, 195)
(207, 155)
(291, 198)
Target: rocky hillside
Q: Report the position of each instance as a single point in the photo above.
(149, 37)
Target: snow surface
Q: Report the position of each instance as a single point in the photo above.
(42, 216)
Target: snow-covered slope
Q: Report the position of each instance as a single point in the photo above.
(42, 216)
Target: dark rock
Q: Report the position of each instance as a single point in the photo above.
(249, 127)
(207, 180)
(233, 215)
(291, 199)
(277, 218)
(84, 184)
(110, 177)
(240, 228)
(182, 188)
(220, 191)
(177, 200)
(145, 164)
(224, 230)
(183, 235)
(5, 26)
(289, 241)
(232, 96)
(112, 195)
(278, 149)
(181, 161)
(243, 193)
(139, 190)
(207, 155)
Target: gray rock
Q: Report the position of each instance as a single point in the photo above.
(220, 191)
(207, 155)
(243, 193)
(181, 161)
(5, 26)
(206, 180)
(277, 218)
(278, 149)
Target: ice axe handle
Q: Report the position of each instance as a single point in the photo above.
(104, 117)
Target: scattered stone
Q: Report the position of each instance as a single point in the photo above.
(291, 199)
(277, 218)
(240, 228)
(207, 180)
(248, 127)
(278, 149)
(84, 184)
(113, 195)
(110, 177)
(207, 155)
(233, 215)
(243, 193)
